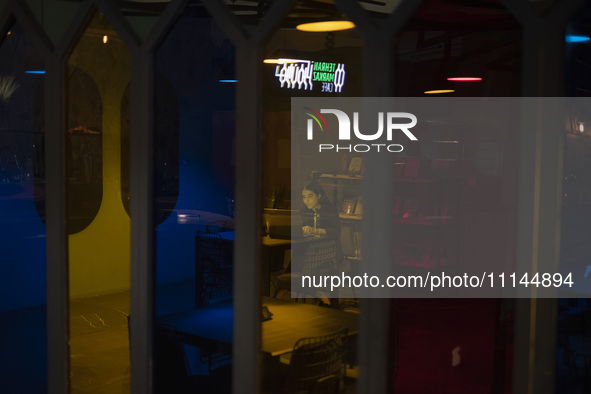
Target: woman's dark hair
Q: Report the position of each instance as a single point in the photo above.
(315, 187)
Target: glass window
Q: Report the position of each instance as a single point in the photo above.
(455, 197)
(23, 339)
(311, 213)
(573, 331)
(97, 77)
(194, 166)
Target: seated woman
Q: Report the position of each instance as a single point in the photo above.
(320, 219)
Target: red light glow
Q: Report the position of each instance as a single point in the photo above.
(464, 79)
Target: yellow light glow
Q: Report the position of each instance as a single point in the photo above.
(439, 91)
(582, 127)
(105, 39)
(283, 61)
(326, 26)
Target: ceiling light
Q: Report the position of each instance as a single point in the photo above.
(326, 26)
(464, 79)
(439, 91)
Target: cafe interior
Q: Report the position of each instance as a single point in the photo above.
(147, 178)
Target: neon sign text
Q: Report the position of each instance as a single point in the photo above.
(301, 74)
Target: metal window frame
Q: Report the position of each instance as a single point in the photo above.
(539, 193)
(373, 347)
(247, 372)
(57, 238)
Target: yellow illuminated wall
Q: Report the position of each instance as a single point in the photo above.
(99, 255)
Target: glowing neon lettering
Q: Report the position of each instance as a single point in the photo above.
(301, 74)
(339, 77)
(292, 72)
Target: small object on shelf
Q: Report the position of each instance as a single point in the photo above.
(410, 208)
(345, 163)
(399, 164)
(359, 207)
(265, 313)
(412, 167)
(348, 205)
(357, 238)
(355, 166)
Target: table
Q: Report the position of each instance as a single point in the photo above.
(290, 322)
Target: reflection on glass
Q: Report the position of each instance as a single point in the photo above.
(125, 149)
(166, 129)
(23, 340)
(380, 9)
(312, 210)
(575, 254)
(455, 195)
(166, 139)
(142, 15)
(450, 40)
(194, 166)
(84, 151)
(249, 13)
(97, 76)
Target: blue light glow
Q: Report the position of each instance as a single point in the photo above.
(228, 80)
(35, 72)
(571, 38)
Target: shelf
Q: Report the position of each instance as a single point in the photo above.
(427, 221)
(423, 196)
(353, 258)
(350, 216)
(416, 180)
(340, 176)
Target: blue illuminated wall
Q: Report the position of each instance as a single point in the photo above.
(22, 246)
(192, 59)
(22, 232)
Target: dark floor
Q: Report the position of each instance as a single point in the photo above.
(23, 351)
(99, 344)
(444, 346)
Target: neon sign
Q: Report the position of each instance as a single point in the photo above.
(301, 74)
